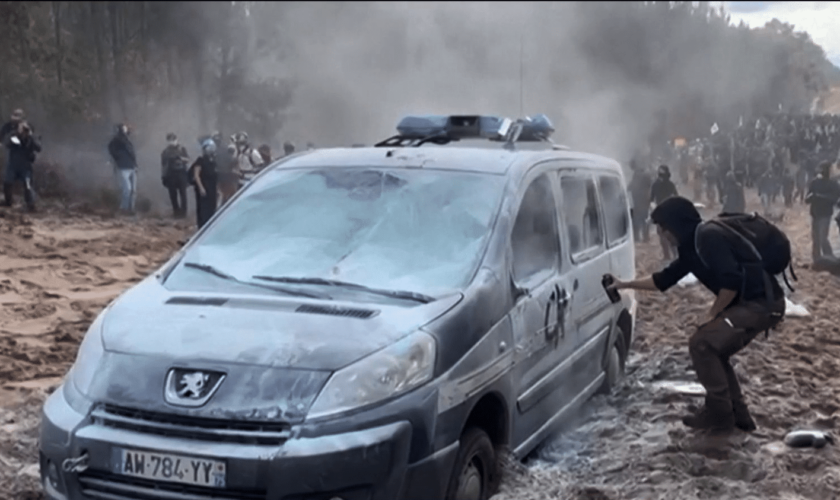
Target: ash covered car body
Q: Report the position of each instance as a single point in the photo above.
(360, 323)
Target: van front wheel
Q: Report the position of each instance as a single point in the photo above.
(474, 476)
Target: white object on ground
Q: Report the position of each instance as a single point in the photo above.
(690, 388)
(689, 280)
(795, 310)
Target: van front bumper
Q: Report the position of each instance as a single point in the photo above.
(367, 464)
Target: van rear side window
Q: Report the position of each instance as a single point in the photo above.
(580, 210)
(615, 208)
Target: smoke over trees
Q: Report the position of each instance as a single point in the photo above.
(611, 74)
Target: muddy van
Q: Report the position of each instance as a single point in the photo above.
(372, 323)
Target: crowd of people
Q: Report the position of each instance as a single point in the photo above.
(784, 158)
(215, 174)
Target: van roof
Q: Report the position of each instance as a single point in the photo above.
(497, 161)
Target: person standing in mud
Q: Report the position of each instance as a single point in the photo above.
(823, 195)
(22, 151)
(288, 148)
(640, 189)
(125, 167)
(734, 201)
(265, 154)
(203, 175)
(661, 190)
(741, 309)
(173, 162)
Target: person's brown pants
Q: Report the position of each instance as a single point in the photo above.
(714, 343)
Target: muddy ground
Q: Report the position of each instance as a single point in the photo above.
(58, 269)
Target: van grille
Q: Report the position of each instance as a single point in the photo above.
(336, 311)
(202, 429)
(107, 486)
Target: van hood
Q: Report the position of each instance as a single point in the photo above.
(258, 330)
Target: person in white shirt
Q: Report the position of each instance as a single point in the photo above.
(248, 159)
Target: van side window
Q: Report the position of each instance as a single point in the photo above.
(534, 239)
(580, 210)
(615, 208)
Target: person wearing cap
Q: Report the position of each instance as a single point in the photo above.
(740, 312)
(125, 167)
(639, 188)
(173, 175)
(823, 195)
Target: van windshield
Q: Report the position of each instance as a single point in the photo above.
(415, 230)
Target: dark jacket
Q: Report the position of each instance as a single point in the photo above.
(639, 187)
(823, 194)
(733, 197)
(122, 152)
(662, 189)
(22, 156)
(172, 161)
(8, 129)
(730, 265)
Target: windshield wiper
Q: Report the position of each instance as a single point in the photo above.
(221, 274)
(399, 294)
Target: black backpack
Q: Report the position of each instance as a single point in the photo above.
(766, 242)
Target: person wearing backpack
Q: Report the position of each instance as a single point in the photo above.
(823, 195)
(723, 254)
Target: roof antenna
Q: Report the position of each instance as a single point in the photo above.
(521, 71)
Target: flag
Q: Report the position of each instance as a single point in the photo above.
(715, 128)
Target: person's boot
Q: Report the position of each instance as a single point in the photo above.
(716, 415)
(743, 419)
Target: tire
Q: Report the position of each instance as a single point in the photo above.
(475, 475)
(615, 366)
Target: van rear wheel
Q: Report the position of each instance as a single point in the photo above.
(475, 473)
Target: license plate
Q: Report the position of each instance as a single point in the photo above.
(173, 468)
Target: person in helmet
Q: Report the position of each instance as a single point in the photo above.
(662, 189)
(248, 160)
(265, 154)
(310, 146)
(203, 175)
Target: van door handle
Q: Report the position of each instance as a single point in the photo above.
(562, 298)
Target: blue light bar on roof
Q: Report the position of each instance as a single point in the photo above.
(455, 126)
(534, 128)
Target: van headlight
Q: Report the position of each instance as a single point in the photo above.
(78, 381)
(384, 374)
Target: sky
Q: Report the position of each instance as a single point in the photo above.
(818, 19)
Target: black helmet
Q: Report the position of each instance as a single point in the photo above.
(664, 171)
(171, 136)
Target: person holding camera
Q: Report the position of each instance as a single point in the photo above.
(23, 149)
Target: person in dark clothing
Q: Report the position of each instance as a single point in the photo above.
(204, 177)
(823, 194)
(788, 185)
(125, 166)
(173, 175)
(22, 151)
(734, 201)
(741, 309)
(11, 126)
(661, 190)
(288, 148)
(640, 188)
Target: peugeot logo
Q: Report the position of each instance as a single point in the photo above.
(186, 387)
